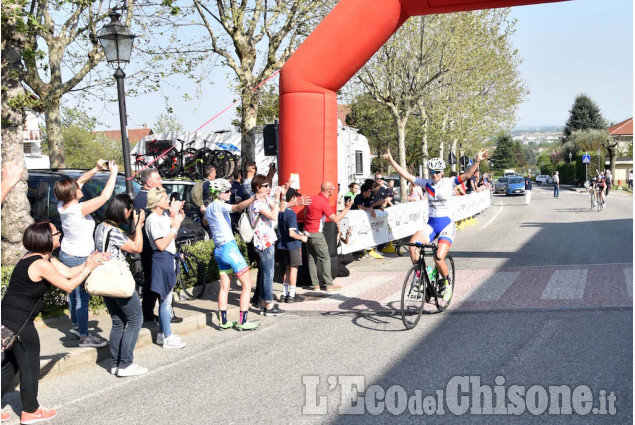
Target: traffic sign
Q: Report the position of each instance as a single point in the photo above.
(586, 159)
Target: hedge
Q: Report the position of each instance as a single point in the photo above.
(55, 300)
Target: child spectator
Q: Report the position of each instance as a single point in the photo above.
(291, 248)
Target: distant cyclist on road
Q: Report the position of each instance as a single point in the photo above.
(440, 223)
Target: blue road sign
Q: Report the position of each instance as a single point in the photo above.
(586, 159)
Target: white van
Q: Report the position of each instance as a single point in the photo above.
(507, 173)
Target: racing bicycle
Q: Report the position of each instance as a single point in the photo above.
(420, 287)
(190, 274)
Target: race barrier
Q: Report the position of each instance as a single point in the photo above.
(402, 220)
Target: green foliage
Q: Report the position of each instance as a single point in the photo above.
(167, 122)
(204, 252)
(268, 107)
(55, 300)
(566, 172)
(507, 152)
(584, 115)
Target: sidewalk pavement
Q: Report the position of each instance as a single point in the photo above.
(60, 352)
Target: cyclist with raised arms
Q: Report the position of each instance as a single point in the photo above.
(227, 254)
(440, 223)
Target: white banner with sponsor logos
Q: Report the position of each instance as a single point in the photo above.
(402, 220)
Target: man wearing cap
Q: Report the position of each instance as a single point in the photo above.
(317, 249)
(290, 246)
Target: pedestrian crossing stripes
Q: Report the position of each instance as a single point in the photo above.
(607, 285)
(493, 287)
(565, 285)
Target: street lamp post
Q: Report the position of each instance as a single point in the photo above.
(570, 156)
(116, 40)
(599, 153)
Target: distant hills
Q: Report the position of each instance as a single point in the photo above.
(537, 129)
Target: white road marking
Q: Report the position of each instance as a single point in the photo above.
(566, 285)
(493, 287)
(493, 218)
(628, 276)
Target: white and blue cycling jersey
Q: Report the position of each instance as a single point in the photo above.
(439, 211)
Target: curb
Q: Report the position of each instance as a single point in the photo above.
(65, 362)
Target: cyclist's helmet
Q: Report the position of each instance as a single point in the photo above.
(436, 164)
(219, 185)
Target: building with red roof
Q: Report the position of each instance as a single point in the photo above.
(134, 134)
(622, 132)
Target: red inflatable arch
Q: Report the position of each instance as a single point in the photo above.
(343, 42)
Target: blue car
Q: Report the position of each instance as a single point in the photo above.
(515, 186)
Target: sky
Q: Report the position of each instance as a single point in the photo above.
(568, 48)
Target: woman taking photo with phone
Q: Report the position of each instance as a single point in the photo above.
(32, 277)
(78, 243)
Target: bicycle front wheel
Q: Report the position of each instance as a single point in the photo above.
(192, 276)
(412, 297)
(443, 296)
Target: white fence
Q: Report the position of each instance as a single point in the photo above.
(402, 220)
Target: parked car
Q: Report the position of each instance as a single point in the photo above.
(501, 185)
(543, 178)
(515, 186)
(182, 191)
(44, 203)
(508, 173)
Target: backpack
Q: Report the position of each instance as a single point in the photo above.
(197, 193)
(245, 229)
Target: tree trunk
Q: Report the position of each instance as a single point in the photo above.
(53, 118)
(16, 209)
(249, 117)
(401, 135)
(424, 143)
(453, 150)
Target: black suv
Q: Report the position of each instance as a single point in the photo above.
(44, 204)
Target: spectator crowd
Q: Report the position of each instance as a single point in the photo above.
(153, 220)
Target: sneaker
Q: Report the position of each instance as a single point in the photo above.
(75, 331)
(159, 339)
(228, 325)
(375, 254)
(132, 370)
(272, 311)
(175, 319)
(315, 288)
(92, 341)
(5, 417)
(40, 415)
(247, 326)
(447, 290)
(333, 288)
(113, 370)
(173, 341)
(295, 299)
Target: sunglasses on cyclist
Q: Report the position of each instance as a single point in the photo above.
(436, 172)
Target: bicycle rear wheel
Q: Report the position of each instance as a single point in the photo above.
(170, 165)
(191, 276)
(412, 296)
(439, 300)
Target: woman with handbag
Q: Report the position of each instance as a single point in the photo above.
(32, 276)
(162, 230)
(78, 243)
(263, 213)
(126, 313)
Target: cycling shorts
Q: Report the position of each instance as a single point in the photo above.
(441, 227)
(230, 259)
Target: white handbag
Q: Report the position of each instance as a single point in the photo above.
(112, 278)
